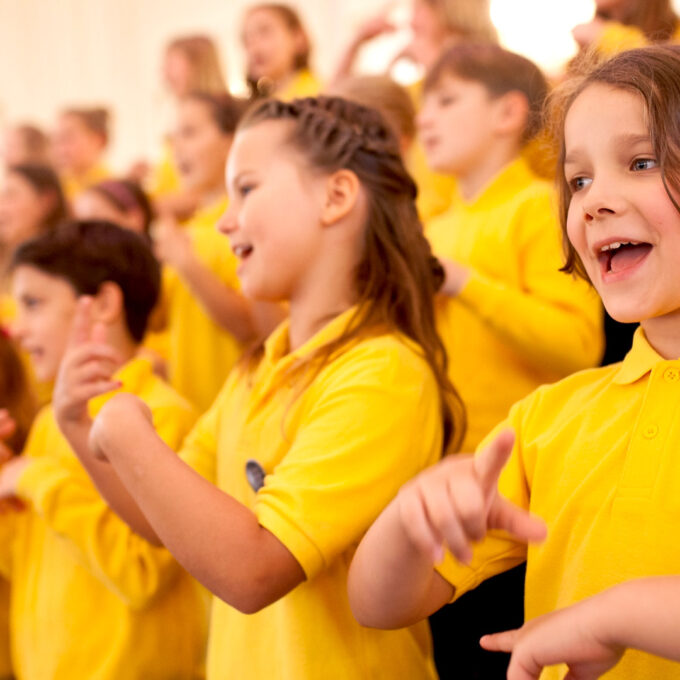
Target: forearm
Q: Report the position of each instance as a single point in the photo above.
(227, 307)
(216, 538)
(107, 482)
(644, 614)
(392, 584)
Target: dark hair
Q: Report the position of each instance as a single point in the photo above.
(126, 195)
(45, 182)
(397, 277)
(225, 109)
(499, 71)
(88, 253)
(96, 120)
(15, 392)
(36, 141)
(294, 24)
(653, 73)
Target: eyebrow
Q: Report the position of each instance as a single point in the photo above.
(629, 139)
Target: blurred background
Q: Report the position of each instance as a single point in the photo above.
(108, 52)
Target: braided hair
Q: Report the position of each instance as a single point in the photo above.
(397, 276)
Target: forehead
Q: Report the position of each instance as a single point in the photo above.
(606, 109)
(449, 80)
(27, 278)
(258, 144)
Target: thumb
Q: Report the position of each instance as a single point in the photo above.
(489, 462)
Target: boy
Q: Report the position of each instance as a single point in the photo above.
(90, 599)
(509, 318)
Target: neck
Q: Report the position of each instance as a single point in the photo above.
(473, 180)
(663, 334)
(120, 340)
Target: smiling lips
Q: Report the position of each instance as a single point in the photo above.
(242, 250)
(620, 256)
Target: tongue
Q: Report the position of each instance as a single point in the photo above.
(628, 256)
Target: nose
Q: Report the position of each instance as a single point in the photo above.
(227, 223)
(602, 199)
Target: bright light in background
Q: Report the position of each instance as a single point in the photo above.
(539, 29)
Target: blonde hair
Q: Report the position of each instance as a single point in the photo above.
(385, 95)
(469, 19)
(202, 54)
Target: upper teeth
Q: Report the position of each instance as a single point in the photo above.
(615, 245)
(241, 250)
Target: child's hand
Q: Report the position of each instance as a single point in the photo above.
(86, 369)
(378, 24)
(172, 245)
(567, 636)
(7, 428)
(586, 34)
(457, 501)
(456, 277)
(114, 423)
(9, 476)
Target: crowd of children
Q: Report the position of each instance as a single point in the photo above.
(328, 391)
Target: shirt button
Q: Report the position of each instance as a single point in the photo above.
(671, 375)
(650, 431)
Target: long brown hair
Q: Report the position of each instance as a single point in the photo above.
(653, 73)
(202, 54)
(15, 393)
(397, 277)
(655, 18)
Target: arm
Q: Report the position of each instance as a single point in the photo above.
(238, 560)
(227, 307)
(591, 636)
(392, 581)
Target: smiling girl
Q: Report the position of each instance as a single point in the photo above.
(595, 455)
(313, 435)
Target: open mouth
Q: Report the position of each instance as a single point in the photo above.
(242, 251)
(619, 256)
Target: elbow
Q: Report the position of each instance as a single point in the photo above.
(249, 599)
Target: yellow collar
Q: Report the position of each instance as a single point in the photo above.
(639, 361)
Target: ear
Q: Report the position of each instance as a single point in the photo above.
(342, 193)
(108, 303)
(512, 113)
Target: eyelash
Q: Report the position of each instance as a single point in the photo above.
(642, 160)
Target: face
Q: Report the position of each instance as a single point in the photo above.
(270, 45)
(200, 147)
(274, 216)
(91, 205)
(45, 309)
(75, 148)
(429, 32)
(177, 72)
(456, 125)
(22, 211)
(620, 220)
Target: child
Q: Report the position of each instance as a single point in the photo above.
(89, 598)
(25, 143)
(625, 24)
(120, 201)
(277, 53)
(78, 147)
(595, 455)
(309, 438)
(208, 320)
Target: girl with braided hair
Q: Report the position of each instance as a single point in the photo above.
(313, 433)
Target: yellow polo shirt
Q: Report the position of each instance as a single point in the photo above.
(598, 458)
(73, 186)
(89, 598)
(333, 458)
(519, 322)
(303, 84)
(201, 353)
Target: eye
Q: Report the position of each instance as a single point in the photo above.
(30, 302)
(245, 189)
(446, 100)
(578, 183)
(640, 164)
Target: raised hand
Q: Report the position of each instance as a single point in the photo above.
(172, 245)
(568, 636)
(456, 502)
(86, 370)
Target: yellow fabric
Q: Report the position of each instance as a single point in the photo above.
(435, 191)
(334, 457)
(165, 177)
(89, 598)
(73, 185)
(617, 37)
(597, 458)
(201, 353)
(303, 84)
(41, 390)
(518, 322)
